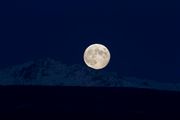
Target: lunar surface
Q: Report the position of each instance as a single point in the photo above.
(97, 56)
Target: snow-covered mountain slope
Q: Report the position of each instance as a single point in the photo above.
(51, 72)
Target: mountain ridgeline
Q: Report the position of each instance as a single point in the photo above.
(50, 72)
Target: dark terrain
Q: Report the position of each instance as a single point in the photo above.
(117, 101)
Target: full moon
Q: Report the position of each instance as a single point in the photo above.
(97, 56)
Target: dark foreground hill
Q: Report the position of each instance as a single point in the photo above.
(94, 100)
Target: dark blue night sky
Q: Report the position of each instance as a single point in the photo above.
(141, 35)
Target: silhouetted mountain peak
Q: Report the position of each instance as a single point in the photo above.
(48, 71)
(44, 70)
(33, 69)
